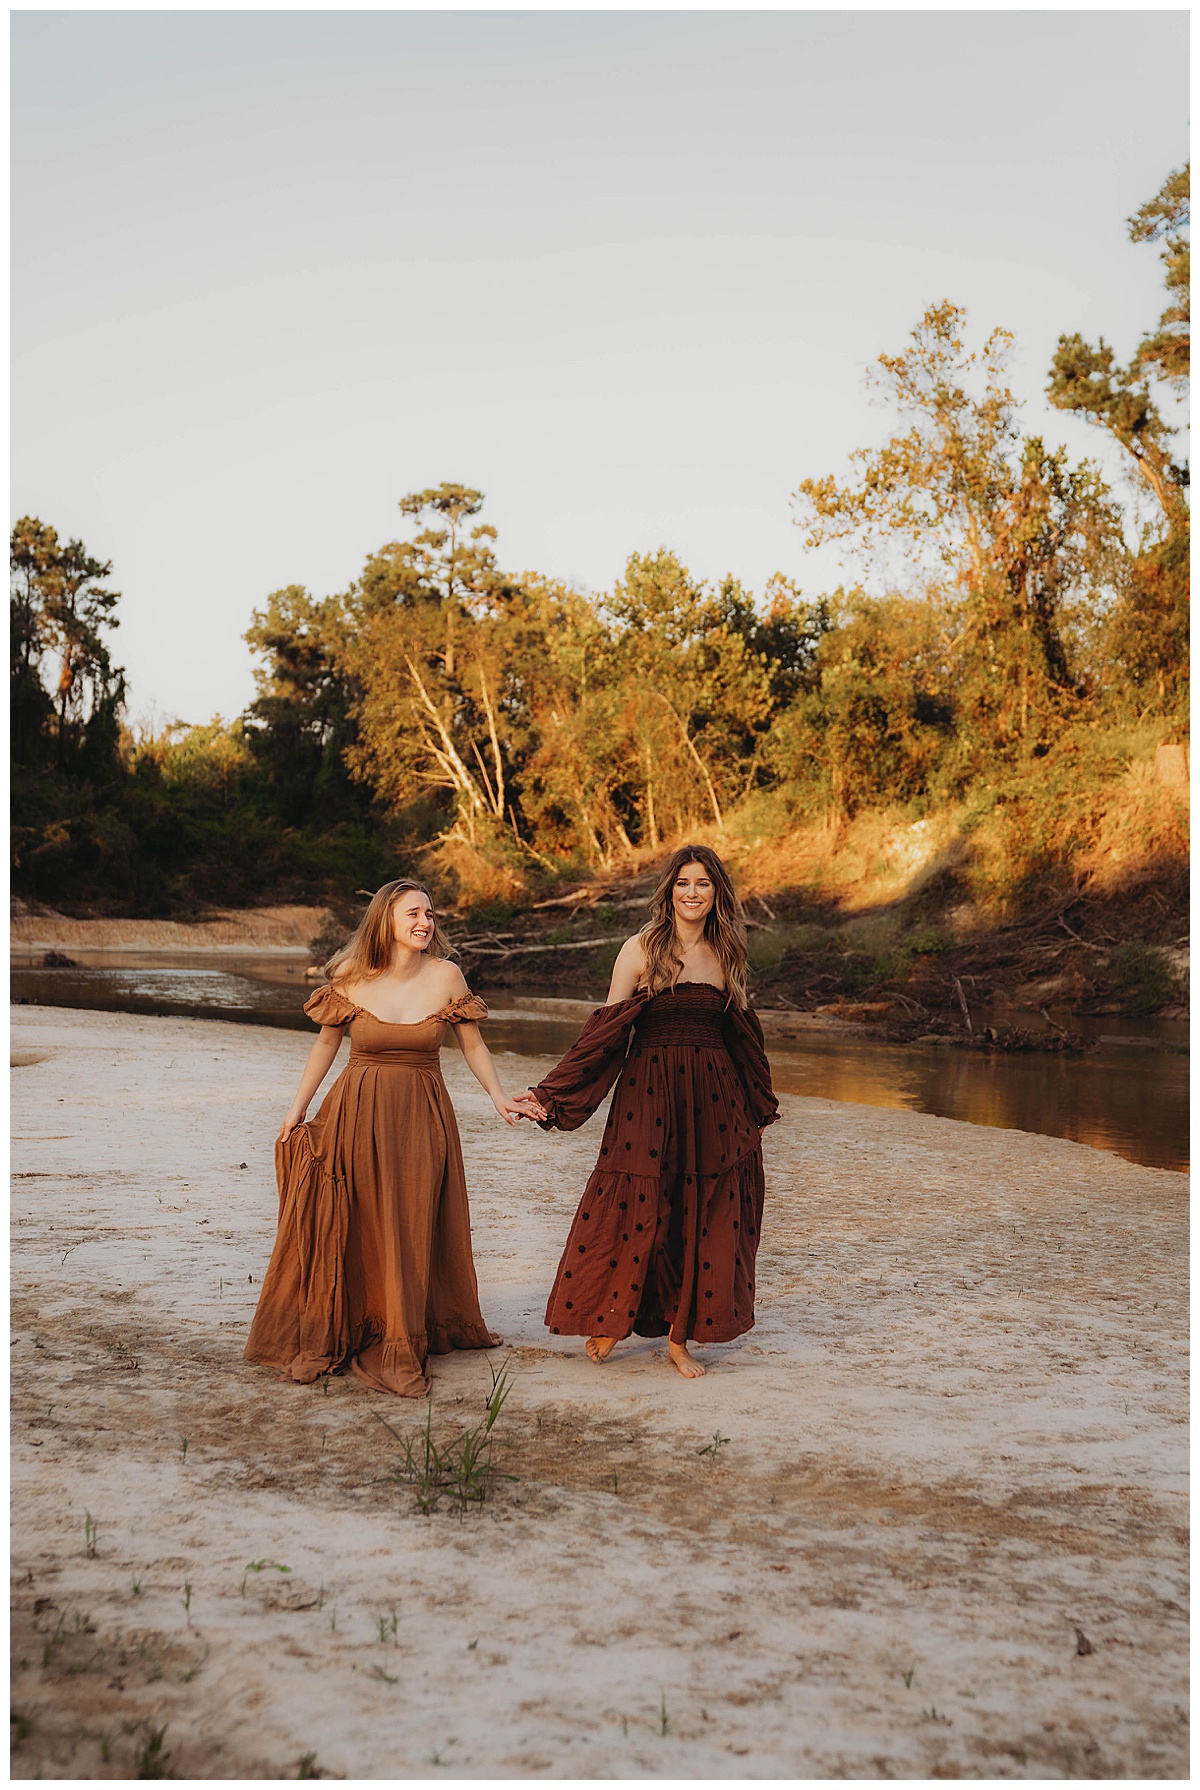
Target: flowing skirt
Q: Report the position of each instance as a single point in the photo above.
(372, 1265)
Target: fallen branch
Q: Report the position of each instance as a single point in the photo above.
(1054, 1023)
(1080, 941)
(612, 938)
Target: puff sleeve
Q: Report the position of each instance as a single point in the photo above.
(574, 1089)
(462, 1011)
(326, 1007)
(744, 1036)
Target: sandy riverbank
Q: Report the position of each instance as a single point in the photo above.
(956, 1441)
(261, 930)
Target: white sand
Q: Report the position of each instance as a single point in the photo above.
(955, 1437)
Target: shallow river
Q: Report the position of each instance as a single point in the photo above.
(1129, 1095)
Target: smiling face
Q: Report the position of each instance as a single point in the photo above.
(412, 920)
(693, 893)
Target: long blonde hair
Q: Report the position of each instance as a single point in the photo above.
(724, 927)
(369, 951)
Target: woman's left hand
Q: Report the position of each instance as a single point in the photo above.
(509, 1111)
(529, 1106)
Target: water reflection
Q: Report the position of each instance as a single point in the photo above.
(1121, 1097)
(1125, 1097)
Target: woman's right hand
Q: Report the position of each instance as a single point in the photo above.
(529, 1106)
(295, 1117)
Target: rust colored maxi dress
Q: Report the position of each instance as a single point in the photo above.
(372, 1262)
(665, 1237)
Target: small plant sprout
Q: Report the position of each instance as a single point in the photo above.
(187, 1600)
(183, 1448)
(309, 1767)
(463, 1469)
(266, 1566)
(908, 1677)
(91, 1534)
(388, 1629)
(383, 1677)
(135, 1586)
(151, 1760)
(664, 1720)
(716, 1445)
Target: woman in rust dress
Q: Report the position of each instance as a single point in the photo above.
(665, 1237)
(372, 1263)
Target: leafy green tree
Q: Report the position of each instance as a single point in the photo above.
(1014, 531)
(301, 723)
(872, 725)
(60, 609)
(426, 654)
(1117, 399)
(1167, 351)
(1148, 629)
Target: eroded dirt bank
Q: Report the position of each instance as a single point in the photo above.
(955, 1447)
(259, 929)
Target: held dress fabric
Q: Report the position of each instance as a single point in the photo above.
(666, 1234)
(372, 1263)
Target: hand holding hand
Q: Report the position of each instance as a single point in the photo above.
(529, 1106)
(509, 1111)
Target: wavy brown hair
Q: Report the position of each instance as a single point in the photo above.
(369, 950)
(724, 927)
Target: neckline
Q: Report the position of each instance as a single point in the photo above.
(693, 983)
(404, 1025)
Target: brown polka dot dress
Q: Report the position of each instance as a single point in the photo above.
(666, 1234)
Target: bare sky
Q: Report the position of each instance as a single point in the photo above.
(622, 271)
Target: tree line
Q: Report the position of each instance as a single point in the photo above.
(1008, 595)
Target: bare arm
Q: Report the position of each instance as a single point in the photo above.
(479, 1062)
(320, 1061)
(631, 961)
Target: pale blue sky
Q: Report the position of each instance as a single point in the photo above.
(622, 271)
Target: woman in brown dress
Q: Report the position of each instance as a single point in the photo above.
(372, 1263)
(665, 1237)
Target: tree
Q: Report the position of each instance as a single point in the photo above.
(60, 608)
(1117, 399)
(1167, 352)
(425, 653)
(301, 722)
(1148, 632)
(1014, 529)
(873, 721)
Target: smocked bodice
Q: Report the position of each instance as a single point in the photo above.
(689, 1013)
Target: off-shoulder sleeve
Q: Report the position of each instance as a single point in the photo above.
(572, 1091)
(326, 1007)
(466, 1007)
(744, 1036)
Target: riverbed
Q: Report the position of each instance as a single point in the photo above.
(926, 1520)
(1129, 1095)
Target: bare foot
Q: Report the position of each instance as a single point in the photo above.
(683, 1362)
(599, 1348)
